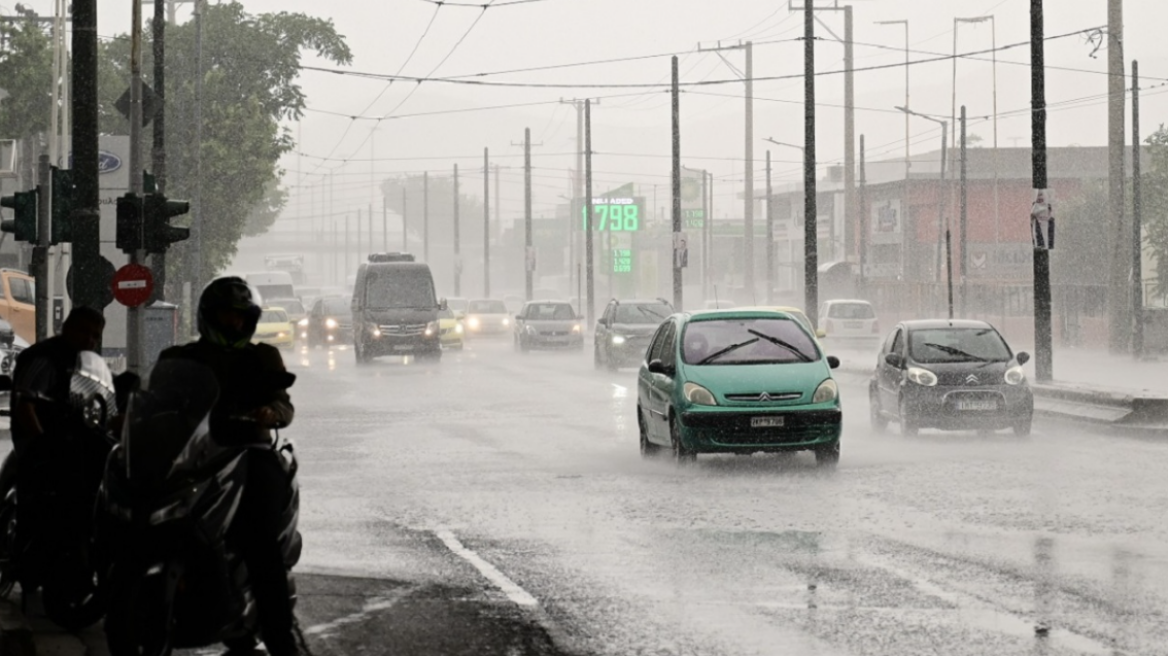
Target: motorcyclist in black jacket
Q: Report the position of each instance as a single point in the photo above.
(249, 378)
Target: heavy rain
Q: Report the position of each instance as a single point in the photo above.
(654, 327)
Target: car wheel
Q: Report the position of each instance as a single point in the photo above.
(681, 455)
(908, 423)
(1022, 427)
(876, 414)
(828, 457)
(648, 449)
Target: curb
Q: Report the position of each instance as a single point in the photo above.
(15, 632)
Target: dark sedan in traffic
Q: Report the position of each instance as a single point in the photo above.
(951, 375)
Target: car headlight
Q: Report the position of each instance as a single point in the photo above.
(281, 335)
(530, 330)
(618, 339)
(576, 328)
(1015, 376)
(375, 330)
(458, 328)
(303, 322)
(827, 391)
(431, 328)
(922, 377)
(331, 323)
(473, 322)
(506, 322)
(698, 395)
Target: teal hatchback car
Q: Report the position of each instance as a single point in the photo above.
(742, 381)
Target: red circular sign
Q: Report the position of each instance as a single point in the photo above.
(133, 284)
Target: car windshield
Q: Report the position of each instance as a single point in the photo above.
(851, 311)
(487, 307)
(446, 314)
(935, 345)
(273, 316)
(550, 312)
(650, 313)
(275, 290)
(456, 304)
(290, 305)
(336, 306)
(399, 289)
(746, 341)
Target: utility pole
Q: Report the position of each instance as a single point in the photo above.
(810, 220)
(343, 274)
(1118, 296)
(528, 264)
(865, 216)
(357, 251)
(849, 125)
(158, 153)
(590, 285)
(426, 216)
(1043, 356)
(457, 247)
(486, 222)
(40, 252)
(368, 229)
(385, 223)
(770, 233)
(87, 220)
(133, 314)
(405, 208)
(197, 201)
(705, 235)
(1137, 223)
(964, 218)
(676, 102)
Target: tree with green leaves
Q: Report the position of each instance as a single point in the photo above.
(26, 73)
(250, 68)
(1154, 191)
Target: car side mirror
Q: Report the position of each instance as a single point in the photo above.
(658, 367)
(820, 333)
(442, 305)
(833, 362)
(1023, 357)
(894, 359)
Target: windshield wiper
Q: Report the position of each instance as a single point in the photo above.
(778, 342)
(732, 347)
(646, 310)
(955, 351)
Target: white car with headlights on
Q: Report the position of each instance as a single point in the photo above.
(548, 325)
(487, 317)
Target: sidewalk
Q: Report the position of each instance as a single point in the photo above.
(1098, 368)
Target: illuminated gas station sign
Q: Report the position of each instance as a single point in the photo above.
(614, 214)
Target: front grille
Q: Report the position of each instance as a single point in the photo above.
(554, 333)
(267, 335)
(403, 330)
(739, 422)
(757, 397)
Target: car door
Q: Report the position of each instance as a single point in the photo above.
(890, 376)
(646, 393)
(661, 388)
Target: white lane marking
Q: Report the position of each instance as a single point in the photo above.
(510, 588)
(619, 391)
(372, 606)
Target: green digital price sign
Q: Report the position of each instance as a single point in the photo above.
(622, 260)
(614, 214)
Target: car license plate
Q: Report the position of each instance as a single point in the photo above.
(977, 405)
(403, 347)
(766, 422)
(854, 325)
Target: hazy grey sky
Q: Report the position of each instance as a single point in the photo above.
(383, 32)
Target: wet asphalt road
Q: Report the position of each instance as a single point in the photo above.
(498, 489)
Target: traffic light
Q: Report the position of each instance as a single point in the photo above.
(24, 225)
(158, 212)
(62, 205)
(129, 223)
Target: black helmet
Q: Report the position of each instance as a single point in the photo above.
(230, 293)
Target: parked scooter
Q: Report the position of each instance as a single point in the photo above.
(63, 473)
(167, 504)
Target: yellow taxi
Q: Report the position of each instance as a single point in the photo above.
(275, 328)
(450, 329)
(794, 312)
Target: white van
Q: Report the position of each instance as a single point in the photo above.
(272, 284)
